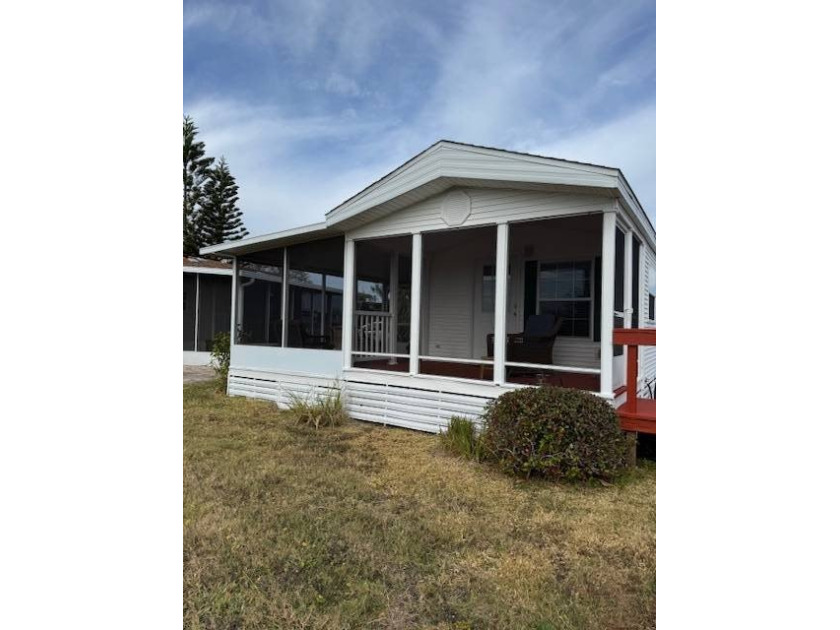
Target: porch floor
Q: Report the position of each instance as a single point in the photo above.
(642, 420)
(588, 382)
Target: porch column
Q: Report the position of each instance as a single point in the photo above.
(234, 301)
(500, 327)
(628, 279)
(607, 301)
(395, 280)
(284, 337)
(348, 302)
(416, 279)
(628, 297)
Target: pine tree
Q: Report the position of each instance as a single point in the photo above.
(196, 168)
(221, 219)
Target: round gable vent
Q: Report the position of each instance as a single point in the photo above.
(455, 207)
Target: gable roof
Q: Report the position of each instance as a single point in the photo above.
(447, 163)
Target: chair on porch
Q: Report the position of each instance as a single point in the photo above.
(534, 344)
(299, 337)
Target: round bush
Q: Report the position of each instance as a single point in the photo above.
(554, 432)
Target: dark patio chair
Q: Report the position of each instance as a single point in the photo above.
(299, 337)
(535, 343)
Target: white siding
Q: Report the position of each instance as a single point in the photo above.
(424, 404)
(444, 164)
(489, 205)
(426, 409)
(648, 353)
(277, 386)
(450, 305)
(576, 352)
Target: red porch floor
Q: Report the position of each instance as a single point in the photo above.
(643, 419)
(637, 414)
(588, 382)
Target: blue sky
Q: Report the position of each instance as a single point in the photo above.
(310, 101)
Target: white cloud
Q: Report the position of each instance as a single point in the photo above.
(342, 85)
(278, 187)
(526, 76)
(628, 143)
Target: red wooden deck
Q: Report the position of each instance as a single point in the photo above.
(636, 414)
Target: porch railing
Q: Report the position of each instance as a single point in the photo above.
(373, 332)
(636, 414)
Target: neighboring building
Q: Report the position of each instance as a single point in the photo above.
(207, 303)
(407, 273)
(206, 306)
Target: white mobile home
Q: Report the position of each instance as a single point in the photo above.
(413, 321)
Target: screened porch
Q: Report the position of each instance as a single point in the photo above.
(553, 296)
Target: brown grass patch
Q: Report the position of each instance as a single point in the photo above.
(365, 526)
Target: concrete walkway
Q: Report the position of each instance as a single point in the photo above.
(198, 373)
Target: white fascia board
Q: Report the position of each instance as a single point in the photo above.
(333, 216)
(634, 211)
(209, 270)
(274, 239)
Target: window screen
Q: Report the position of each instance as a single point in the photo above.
(189, 311)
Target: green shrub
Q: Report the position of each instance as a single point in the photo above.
(555, 433)
(324, 409)
(220, 357)
(462, 438)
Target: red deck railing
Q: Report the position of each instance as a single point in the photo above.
(636, 414)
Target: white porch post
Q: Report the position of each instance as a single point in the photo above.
(628, 279)
(607, 301)
(348, 302)
(395, 279)
(500, 327)
(628, 293)
(284, 335)
(234, 300)
(416, 279)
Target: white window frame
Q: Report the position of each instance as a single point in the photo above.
(591, 298)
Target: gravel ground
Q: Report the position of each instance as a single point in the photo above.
(197, 373)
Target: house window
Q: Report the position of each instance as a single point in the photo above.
(565, 289)
(652, 295)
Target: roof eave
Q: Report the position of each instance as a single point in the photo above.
(274, 239)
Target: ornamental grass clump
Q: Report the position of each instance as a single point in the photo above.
(555, 433)
(461, 438)
(324, 409)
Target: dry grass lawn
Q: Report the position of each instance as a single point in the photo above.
(369, 527)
